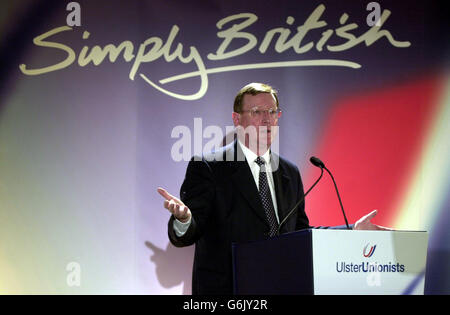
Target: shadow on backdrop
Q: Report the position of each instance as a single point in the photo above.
(173, 265)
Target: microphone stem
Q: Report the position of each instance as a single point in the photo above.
(298, 203)
(339, 197)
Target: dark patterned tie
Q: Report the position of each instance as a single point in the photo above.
(266, 197)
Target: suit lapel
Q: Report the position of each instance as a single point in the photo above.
(281, 181)
(244, 182)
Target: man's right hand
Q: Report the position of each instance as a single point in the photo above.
(175, 206)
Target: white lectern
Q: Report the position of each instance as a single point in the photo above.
(329, 261)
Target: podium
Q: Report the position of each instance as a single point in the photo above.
(326, 261)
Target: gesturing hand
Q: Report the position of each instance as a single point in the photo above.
(175, 206)
(365, 224)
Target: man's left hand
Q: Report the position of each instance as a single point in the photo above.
(365, 224)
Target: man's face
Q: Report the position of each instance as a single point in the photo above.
(256, 113)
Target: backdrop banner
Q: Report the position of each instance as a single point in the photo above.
(103, 101)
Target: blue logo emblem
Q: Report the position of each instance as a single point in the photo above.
(368, 252)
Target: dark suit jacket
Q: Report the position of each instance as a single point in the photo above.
(225, 204)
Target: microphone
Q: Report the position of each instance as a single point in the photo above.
(317, 162)
(299, 202)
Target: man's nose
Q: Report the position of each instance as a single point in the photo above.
(265, 116)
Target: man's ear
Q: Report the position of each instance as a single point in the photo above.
(236, 118)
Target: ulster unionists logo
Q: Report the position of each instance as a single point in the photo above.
(368, 251)
(367, 266)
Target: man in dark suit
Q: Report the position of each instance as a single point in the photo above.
(239, 193)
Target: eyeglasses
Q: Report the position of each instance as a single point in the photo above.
(273, 113)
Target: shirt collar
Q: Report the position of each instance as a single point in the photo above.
(251, 156)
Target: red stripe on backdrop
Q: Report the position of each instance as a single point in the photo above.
(371, 143)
